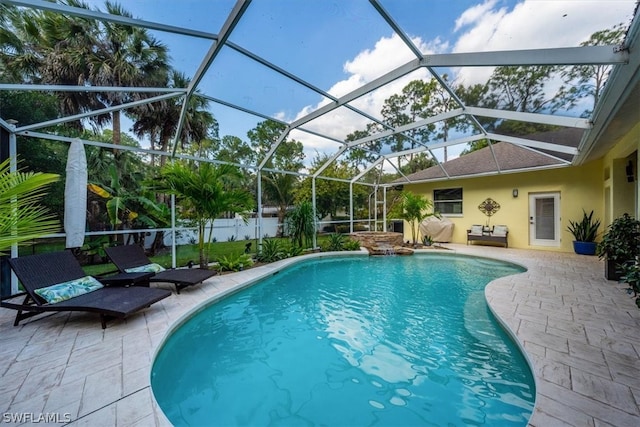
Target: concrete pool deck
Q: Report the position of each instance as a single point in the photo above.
(580, 331)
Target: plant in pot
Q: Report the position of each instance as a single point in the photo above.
(631, 275)
(584, 234)
(619, 245)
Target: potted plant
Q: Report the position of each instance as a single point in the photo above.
(619, 245)
(631, 275)
(584, 234)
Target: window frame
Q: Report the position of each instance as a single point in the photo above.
(449, 202)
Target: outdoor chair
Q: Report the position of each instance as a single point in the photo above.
(56, 282)
(131, 258)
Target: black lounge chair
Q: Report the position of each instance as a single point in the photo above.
(128, 257)
(44, 270)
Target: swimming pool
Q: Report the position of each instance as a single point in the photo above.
(350, 342)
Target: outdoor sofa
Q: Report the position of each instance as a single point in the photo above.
(497, 234)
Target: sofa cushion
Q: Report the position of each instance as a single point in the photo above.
(476, 230)
(500, 230)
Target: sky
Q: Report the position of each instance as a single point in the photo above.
(337, 46)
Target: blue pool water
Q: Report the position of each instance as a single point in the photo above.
(384, 341)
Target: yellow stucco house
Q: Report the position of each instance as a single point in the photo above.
(538, 193)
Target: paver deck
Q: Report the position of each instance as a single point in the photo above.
(580, 332)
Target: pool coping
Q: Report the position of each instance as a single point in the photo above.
(579, 332)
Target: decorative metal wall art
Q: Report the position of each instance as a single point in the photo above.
(489, 207)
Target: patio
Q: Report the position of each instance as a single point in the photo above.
(580, 331)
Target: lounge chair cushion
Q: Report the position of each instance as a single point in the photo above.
(500, 230)
(476, 230)
(67, 290)
(147, 268)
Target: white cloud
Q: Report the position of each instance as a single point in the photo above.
(474, 14)
(533, 24)
(387, 54)
(488, 26)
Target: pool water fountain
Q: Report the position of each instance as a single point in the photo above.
(382, 242)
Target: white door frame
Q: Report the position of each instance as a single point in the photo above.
(534, 239)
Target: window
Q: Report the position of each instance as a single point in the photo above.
(448, 201)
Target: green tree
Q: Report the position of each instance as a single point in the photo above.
(300, 224)
(362, 155)
(53, 48)
(159, 121)
(415, 102)
(477, 95)
(49, 48)
(234, 150)
(587, 81)
(38, 155)
(418, 162)
(22, 216)
(331, 195)
(205, 192)
(124, 207)
(125, 56)
(521, 88)
(279, 188)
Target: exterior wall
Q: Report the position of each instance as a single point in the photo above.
(622, 196)
(579, 188)
(601, 186)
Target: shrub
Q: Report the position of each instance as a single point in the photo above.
(351, 245)
(271, 251)
(234, 262)
(291, 250)
(335, 242)
(346, 228)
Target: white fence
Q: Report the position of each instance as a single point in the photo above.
(224, 230)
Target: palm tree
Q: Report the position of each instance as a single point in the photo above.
(206, 191)
(22, 217)
(414, 208)
(160, 120)
(50, 48)
(126, 56)
(300, 224)
(60, 49)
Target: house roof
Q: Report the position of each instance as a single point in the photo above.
(501, 157)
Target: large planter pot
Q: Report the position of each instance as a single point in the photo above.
(585, 248)
(611, 271)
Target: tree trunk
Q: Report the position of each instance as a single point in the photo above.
(115, 118)
(203, 260)
(282, 212)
